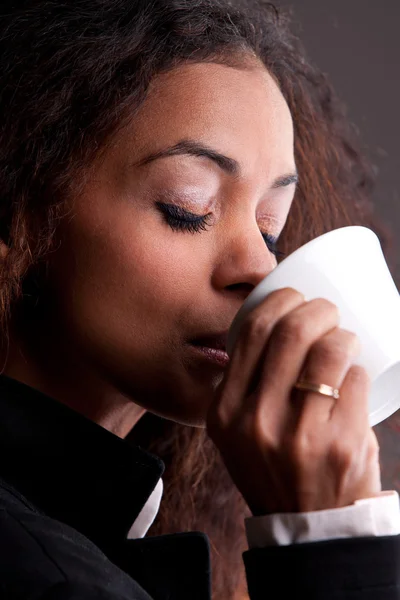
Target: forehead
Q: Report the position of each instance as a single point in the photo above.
(240, 111)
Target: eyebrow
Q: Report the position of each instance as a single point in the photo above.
(227, 164)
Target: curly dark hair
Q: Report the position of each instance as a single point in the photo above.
(72, 74)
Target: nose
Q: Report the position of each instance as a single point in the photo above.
(244, 262)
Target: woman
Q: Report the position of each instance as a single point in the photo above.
(152, 153)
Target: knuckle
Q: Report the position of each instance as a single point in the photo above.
(305, 448)
(341, 454)
(336, 348)
(291, 329)
(287, 291)
(218, 421)
(328, 307)
(258, 431)
(255, 327)
(358, 375)
(351, 340)
(260, 320)
(326, 351)
(372, 448)
(254, 427)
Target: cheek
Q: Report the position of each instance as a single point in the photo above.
(127, 276)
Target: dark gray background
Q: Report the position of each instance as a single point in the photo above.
(357, 42)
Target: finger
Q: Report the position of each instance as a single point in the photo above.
(250, 344)
(286, 352)
(352, 406)
(358, 450)
(328, 362)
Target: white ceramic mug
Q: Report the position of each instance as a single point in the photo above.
(347, 267)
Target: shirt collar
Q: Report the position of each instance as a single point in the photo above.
(71, 468)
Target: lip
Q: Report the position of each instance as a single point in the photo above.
(214, 355)
(212, 340)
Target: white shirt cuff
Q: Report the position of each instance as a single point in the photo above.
(376, 516)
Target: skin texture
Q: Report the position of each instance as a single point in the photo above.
(291, 451)
(125, 292)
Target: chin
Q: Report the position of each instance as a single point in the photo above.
(199, 423)
(184, 417)
(190, 410)
(186, 404)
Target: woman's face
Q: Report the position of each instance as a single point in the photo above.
(129, 290)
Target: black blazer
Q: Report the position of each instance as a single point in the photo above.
(70, 491)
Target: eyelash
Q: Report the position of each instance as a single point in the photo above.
(181, 220)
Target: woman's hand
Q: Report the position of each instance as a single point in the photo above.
(289, 450)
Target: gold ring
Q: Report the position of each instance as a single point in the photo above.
(321, 388)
